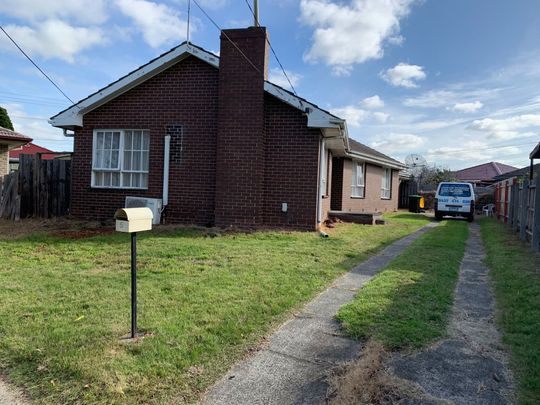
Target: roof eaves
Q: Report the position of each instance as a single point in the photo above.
(376, 159)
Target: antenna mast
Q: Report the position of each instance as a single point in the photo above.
(255, 13)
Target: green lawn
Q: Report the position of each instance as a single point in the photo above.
(203, 301)
(407, 305)
(515, 271)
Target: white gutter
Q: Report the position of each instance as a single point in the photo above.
(166, 170)
(376, 160)
(320, 188)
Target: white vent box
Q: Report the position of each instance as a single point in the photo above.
(154, 204)
(133, 219)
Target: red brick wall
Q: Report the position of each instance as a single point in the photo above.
(267, 155)
(240, 141)
(291, 167)
(185, 95)
(372, 201)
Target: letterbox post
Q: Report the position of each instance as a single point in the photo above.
(133, 220)
(134, 285)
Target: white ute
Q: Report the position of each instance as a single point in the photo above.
(454, 199)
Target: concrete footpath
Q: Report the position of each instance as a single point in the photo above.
(293, 367)
(471, 366)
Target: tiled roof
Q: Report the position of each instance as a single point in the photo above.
(9, 135)
(524, 171)
(32, 149)
(484, 172)
(361, 148)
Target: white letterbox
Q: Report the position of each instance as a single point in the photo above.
(134, 219)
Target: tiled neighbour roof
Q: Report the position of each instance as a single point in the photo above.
(361, 148)
(484, 172)
(32, 149)
(524, 171)
(9, 135)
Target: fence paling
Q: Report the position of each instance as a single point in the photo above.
(524, 215)
(40, 188)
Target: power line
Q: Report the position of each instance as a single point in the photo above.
(273, 52)
(226, 36)
(34, 63)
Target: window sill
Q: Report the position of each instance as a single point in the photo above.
(386, 198)
(354, 197)
(119, 188)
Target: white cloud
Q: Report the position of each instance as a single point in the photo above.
(372, 102)
(37, 128)
(276, 76)
(398, 142)
(469, 152)
(469, 107)
(54, 39)
(431, 99)
(348, 34)
(158, 23)
(381, 117)
(354, 115)
(404, 75)
(507, 128)
(83, 11)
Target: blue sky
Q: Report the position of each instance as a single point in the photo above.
(457, 82)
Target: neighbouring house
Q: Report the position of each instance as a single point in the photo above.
(29, 149)
(220, 144)
(9, 140)
(484, 174)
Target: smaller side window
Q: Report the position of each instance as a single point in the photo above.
(358, 179)
(386, 184)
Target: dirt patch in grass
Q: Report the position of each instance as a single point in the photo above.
(82, 233)
(39, 226)
(368, 380)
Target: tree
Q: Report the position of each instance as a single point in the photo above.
(430, 176)
(5, 121)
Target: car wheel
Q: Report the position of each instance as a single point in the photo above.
(438, 216)
(470, 218)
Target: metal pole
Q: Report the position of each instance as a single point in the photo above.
(256, 13)
(133, 285)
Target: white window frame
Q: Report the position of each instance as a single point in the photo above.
(119, 169)
(386, 184)
(358, 186)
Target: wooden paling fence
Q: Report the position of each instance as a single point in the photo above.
(524, 211)
(40, 188)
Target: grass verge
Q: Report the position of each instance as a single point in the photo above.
(515, 272)
(407, 304)
(204, 301)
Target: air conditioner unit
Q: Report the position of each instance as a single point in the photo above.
(155, 204)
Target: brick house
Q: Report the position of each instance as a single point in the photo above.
(220, 144)
(9, 140)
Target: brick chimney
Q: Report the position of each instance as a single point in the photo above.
(240, 157)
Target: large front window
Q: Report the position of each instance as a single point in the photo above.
(386, 184)
(120, 158)
(357, 183)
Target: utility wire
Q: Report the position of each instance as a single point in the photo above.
(34, 63)
(274, 52)
(226, 36)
